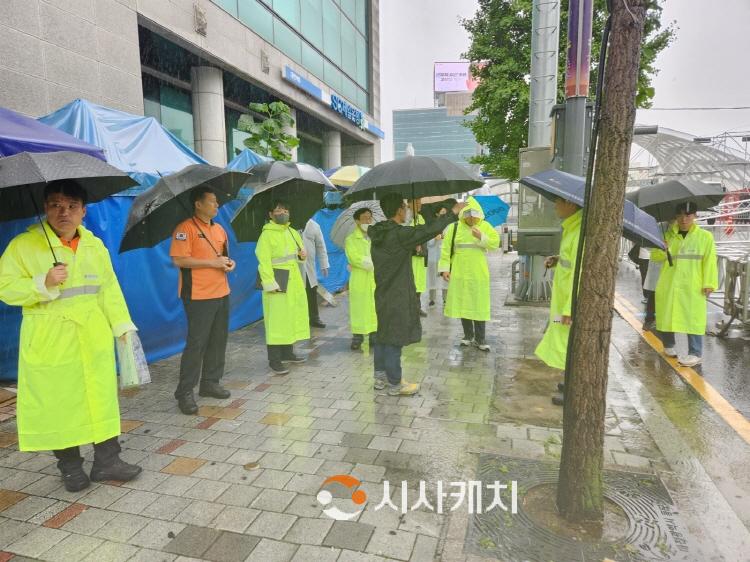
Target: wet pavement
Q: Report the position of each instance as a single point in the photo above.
(240, 481)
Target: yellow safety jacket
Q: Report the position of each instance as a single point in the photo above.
(362, 314)
(469, 285)
(680, 302)
(418, 266)
(553, 348)
(285, 314)
(67, 382)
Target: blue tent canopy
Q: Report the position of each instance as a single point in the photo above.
(142, 147)
(246, 160)
(19, 133)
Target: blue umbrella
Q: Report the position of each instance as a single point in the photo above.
(495, 209)
(638, 226)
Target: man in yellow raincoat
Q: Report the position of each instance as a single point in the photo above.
(285, 314)
(362, 316)
(684, 286)
(463, 263)
(67, 381)
(553, 348)
(418, 260)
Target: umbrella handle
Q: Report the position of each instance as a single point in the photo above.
(669, 259)
(55, 263)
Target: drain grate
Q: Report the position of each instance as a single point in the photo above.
(653, 532)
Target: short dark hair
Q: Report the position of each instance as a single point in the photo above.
(359, 212)
(447, 204)
(68, 188)
(283, 203)
(198, 193)
(391, 203)
(689, 208)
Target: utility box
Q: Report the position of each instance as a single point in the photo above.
(538, 226)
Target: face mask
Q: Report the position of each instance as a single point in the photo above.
(281, 219)
(364, 227)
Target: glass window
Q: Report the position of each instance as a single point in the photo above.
(289, 10)
(361, 19)
(310, 152)
(228, 5)
(177, 113)
(362, 62)
(235, 137)
(363, 100)
(349, 7)
(349, 90)
(348, 48)
(332, 76)
(331, 31)
(257, 17)
(312, 22)
(313, 61)
(286, 40)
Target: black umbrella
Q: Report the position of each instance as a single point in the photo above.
(414, 177)
(302, 188)
(661, 199)
(157, 211)
(24, 176)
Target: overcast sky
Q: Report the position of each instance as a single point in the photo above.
(707, 65)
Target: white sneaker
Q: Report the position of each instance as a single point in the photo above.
(482, 346)
(690, 361)
(670, 352)
(466, 343)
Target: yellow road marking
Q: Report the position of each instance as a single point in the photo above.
(729, 413)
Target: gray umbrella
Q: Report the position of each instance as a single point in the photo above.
(660, 200)
(414, 177)
(24, 176)
(345, 224)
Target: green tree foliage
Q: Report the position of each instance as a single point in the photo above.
(501, 40)
(267, 136)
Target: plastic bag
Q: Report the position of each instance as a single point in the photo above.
(131, 361)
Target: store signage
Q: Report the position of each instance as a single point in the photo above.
(351, 113)
(334, 101)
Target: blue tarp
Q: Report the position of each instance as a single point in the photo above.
(338, 275)
(246, 160)
(138, 145)
(19, 133)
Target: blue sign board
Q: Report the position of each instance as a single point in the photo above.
(336, 103)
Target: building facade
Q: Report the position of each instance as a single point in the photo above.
(194, 65)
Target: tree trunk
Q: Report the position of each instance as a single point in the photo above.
(580, 488)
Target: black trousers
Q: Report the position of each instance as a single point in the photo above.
(312, 301)
(203, 357)
(473, 329)
(643, 269)
(276, 353)
(104, 453)
(359, 338)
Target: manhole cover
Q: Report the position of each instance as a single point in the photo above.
(653, 533)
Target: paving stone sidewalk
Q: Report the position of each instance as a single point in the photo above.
(239, 481)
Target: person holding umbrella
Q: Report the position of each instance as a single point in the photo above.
(553, 348)
(362, 316)
(199, 250)
(73, 307)
(463, 265)
(315, 248)
(396, 302)
(685, 283)
(280, 252)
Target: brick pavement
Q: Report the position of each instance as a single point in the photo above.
(239, 481)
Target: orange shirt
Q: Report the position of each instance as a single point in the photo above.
(188, 241)
(72, 244)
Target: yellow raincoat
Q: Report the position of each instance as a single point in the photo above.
(361, 284)
(418, 266)
(284, 314)
(67, 383)
(680, 302)
(469, 285)
(553, 348)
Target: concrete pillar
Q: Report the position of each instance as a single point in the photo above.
(208, 114)
(292, 131)
(331, 149)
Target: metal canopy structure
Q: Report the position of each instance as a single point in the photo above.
(721, 159)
